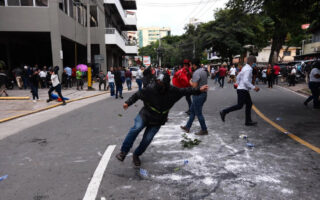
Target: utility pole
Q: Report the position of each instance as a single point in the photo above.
(89, 47)
(160, 50)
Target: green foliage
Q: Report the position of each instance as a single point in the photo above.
(188, 142)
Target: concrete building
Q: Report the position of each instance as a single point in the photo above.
(55, 32)
(311, 47)
(151, 34)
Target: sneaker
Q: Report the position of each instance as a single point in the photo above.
(34, 101)
(251, 123)
(121, 156)
(305, 103)
(223, 116)
(201, 132)
(136, 160)
(121, 97)
(185, 129)
(188, 112)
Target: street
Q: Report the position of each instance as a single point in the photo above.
(57, 158)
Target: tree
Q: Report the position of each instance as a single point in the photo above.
(287, 16)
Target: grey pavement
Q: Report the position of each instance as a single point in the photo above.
(56, 159)
(9, 108)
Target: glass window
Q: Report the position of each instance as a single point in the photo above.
(13, 3)
(65, 6)
(287, 53)
(61, 6)
(41, 2)
(70, 8)
(27, 2)
(93, 16)
(2, 3)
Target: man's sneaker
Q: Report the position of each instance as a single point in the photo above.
(223, 116)
(251, 123)
(34, 101)
(48, 100)
(121, 156)
(136, 160)
(64, 103)
(188, 112)
(202, 132)
(185, 129)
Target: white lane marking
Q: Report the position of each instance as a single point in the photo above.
(301, 95)
(103, 198)
(94, 184)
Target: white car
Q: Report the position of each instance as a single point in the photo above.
(134, 71)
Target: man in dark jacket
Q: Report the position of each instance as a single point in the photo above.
(158, 98)
(118, 82)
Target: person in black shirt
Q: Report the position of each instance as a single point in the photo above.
(34, 83)
(118, 82)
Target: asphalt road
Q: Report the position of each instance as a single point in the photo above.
(56, 159)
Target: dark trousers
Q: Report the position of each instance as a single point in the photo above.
(57, 89)
(79, 84)
(243, 98)
(188, 98)
(148, 135)
(104, 84)
(270, 81)
(221, 81)
(139, 82)
(314, 87)
(129, 83)
(43, 82)
(26, 82)
(292, 80)
(119, 88)
(34, 91)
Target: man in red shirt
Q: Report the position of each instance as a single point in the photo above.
(181, 79)
(276, 70)
(222, 73)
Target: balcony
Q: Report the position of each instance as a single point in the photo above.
(129, 18)
(113, 37)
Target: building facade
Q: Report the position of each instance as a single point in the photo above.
(146, 36)
(54, 33)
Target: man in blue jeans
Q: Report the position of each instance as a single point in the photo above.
(199, 78)
(158, 98)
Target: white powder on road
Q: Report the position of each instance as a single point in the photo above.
(173, 177)
(265, 178)
(208, 181)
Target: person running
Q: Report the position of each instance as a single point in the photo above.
(222, 74)
(110, 78)
(34, 84)
(244, 82)
(199, 79)
(128, 76)
(102, 80)
(181, 79)
(314, 85)
(55, 85)
(158, 98)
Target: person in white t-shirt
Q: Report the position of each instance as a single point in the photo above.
(314, 85)
(292, 79)
(212, 73)
(55, 85)
(232, 73)
(110, 77)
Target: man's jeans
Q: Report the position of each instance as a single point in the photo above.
(314, 87)
(139, 82)
(243, 98)
(128, 80)
(119, 89)
(148, 135)
(111, 85)
(221, 81)
(196, 110)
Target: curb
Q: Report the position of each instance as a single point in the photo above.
(50, 107)
(14, 98)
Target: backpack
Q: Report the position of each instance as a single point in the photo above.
(180, 79)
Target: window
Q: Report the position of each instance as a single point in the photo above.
(13, 3)
(93, 16)
(287, 53)
(2, 3)
(71, 8)
(27, 2)
(41, 2)
(65, 6)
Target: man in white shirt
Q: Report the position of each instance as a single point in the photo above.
(55, 85)
(292, 81)
(244, 84)
(314, 85)
(139, 77)
(43, 76)
(212, 72)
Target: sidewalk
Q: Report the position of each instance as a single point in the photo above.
(301, 88)
(10, 108)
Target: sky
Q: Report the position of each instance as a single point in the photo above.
(175, 14)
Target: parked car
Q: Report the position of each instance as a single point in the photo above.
(134, 71)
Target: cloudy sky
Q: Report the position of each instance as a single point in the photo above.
(175, 13)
